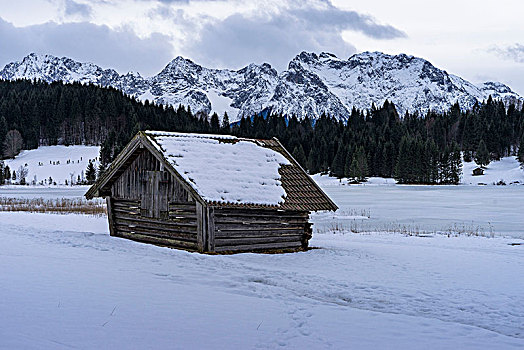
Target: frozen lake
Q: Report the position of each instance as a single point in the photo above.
(43, 192)
(497, 209)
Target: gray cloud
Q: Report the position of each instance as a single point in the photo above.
(334, 19)
(163, 11)
(274, 37)
(73, 8)
(277, 37)
(122, 49)
(512, 52)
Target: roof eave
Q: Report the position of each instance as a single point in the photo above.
(334, 207)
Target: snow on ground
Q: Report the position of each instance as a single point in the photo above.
(60, 171)
(482, 210)
(329, 181)
(67, 284)
(29, 192)
(508, 170)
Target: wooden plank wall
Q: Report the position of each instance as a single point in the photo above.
(150, 205)
(258, 229)
(180, 231)
(133, 182)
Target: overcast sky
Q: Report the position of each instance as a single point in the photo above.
(474, 39)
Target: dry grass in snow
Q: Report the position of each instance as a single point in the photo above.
(54, 206)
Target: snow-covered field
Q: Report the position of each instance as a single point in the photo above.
(508, 170)
(67, 284)
(16, 191)
(465, 209)
(61, 163)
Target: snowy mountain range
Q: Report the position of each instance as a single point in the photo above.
(313, 84)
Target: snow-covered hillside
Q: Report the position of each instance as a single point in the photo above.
(507, 170)
(61, 163)
(313, 84)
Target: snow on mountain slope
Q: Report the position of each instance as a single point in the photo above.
(313, 84)
(501, 91)
(50, 68)
(411, 83)
(507, 170)
(52, 161)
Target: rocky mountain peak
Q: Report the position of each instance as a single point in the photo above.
(312, 85)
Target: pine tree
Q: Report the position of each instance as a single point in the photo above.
(2, 167)
(90, 173)
(521, 150)
(402, 167)
(468, 156)
(101, 169)
(359, 165)
(226, 128)
(313, 161)
(431, 157)
(7, 173)
(299, 155)
(337, 167)
(455, 170)
(482, 154)
(389, 155)
(347, 163)
(214, 124)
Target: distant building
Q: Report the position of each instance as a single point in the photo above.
(478, 171)
(209, 193)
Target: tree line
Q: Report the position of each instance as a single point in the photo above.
(423, 149)
(414, 148)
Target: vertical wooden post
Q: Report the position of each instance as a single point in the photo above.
(110, 216)
(155, 195)
(210, 229)
(201, 228)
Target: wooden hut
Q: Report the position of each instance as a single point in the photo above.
(478, 171)
(209, 193)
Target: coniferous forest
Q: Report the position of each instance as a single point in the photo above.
(424, 149)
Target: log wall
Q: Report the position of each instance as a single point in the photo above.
(148, 204)
(179, 231)
(237, 230)
(146, 176)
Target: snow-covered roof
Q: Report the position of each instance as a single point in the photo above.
(223, 168)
